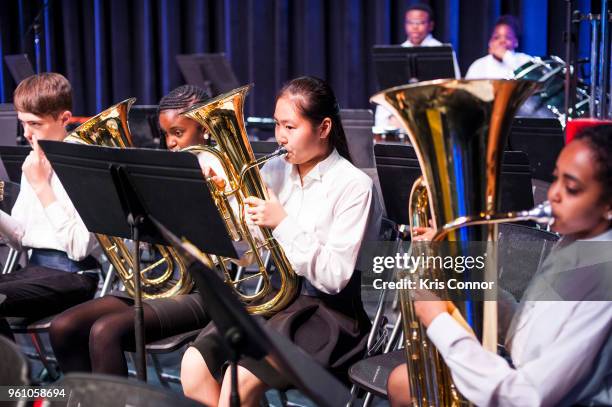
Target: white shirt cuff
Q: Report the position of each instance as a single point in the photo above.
(444, 331)
(286, 231)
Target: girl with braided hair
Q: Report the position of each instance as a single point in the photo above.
(179, 131)
(92, 336)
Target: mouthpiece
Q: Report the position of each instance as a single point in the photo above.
(279, 151)
(541, 213)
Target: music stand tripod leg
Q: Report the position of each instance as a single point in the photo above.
(233, 338)
(141, 366)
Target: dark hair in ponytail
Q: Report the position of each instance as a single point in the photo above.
(599, 140)
(316, 102)
(180, 99)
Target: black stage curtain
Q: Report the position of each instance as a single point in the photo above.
(114, 49)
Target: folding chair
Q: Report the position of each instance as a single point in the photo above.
(372, 373)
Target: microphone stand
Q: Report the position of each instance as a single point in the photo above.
(36, 28)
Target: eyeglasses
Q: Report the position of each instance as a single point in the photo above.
(416, 22)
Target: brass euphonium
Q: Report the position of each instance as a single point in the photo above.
(458, 129)
(164, 277)
(223, 119)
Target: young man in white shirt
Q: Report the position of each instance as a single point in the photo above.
(502, 60)
(61, 271)
(419, 24)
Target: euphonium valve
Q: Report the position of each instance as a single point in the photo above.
(223, 119)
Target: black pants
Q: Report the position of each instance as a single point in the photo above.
(37, 292)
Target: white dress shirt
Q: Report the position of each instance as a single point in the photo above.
(58, 226)
(488, 67)
(429, 41)
(329, 215)
(553, 346)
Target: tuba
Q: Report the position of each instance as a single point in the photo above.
(458, 129)
(167, 275)
(223, 119)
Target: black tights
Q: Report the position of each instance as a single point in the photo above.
(92, 336)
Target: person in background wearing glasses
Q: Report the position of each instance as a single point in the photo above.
(418, 23)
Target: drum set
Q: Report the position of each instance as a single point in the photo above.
(550, 100)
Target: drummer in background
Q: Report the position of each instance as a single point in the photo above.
(502, 60)
(418, 23)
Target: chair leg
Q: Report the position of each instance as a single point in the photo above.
(11, 258)
(40, 349)
(396, 333)
(159, 370)
(108, 280)
(354, 395)
(368, 399)
(264, 401)
(283, 398)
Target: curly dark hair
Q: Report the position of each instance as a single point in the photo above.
(599, 139)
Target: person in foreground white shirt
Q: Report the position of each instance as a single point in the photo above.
(320, 209)
(561, 349)
(502, 59)
(61, 271)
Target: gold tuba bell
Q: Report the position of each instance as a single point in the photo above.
(458, 129)
(223, 119)
(164, 277)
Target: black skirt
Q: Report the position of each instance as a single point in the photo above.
(184, 311)
(335, 339)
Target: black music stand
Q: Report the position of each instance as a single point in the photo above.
(13, 158)
(19, 66)
(100, 185)
(396, 65)
(209, 71)
(245, 337)
(399, 162)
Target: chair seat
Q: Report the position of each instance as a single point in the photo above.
(172, 343)
(371, 374)
(30, 325)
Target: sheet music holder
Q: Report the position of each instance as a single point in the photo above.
(19, 66)
(100, 185)
(13, 158)
(396, 65)
(256, 340)
(173, 177)
(399, 162)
